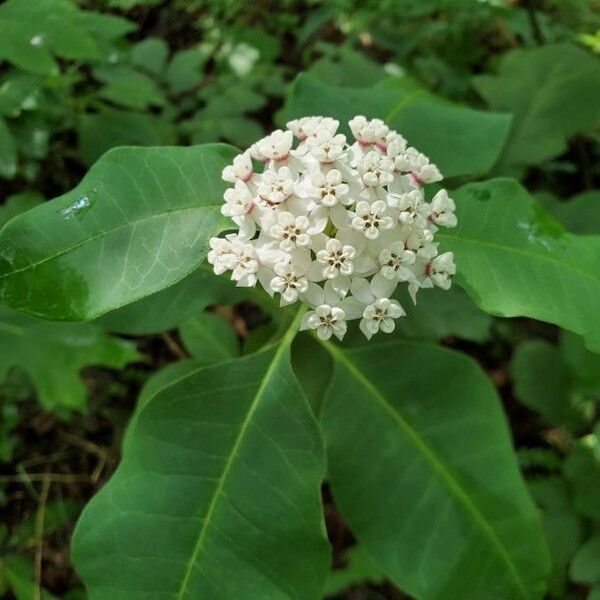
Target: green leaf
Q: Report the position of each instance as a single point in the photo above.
(209, 338)
(514, 260)
(32, 31)
(580, 214)
(17, 204)
(150, 54)
(583, 364)
(360, 567)
(129, 88)
(170, 307)
(185, 69)
(582, 469)
(347, 67)
(542, 381)
(218, 494)
(8, 152)
(111, 127)
(422, 468)
(461, 141)
(53, 354)
(440, 313)
(562, 527)
(19, 92)
(585, 567)
(553, 92)
(138, 222)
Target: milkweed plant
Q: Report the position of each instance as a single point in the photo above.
(335, 225)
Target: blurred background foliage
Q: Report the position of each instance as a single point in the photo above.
(79, 78)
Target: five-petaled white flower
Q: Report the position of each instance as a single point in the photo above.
(335, 225)
(327, 321)
(289, 282)
(380, 315)
(336, 258)
(371, 218)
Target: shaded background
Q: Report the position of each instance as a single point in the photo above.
(88, 76)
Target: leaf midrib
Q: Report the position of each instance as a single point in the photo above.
(102, 234)
(430, 456)
(284, 344)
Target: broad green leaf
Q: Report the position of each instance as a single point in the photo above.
(17, 49)
(347, 67)
(210, 338)
(185, 69)
(170, 307)
(585, 567)
(440, 313)
(53, 354)
(18, 92)
(139, 221)
(580, 214)
(360, 567)
(582, 469)
(542, 381)
(111, 127)
(32, 136)
(129, 88)
(462, 141)
(552, 91)
(422, 468)
(218, 494)
(562, 527)
(150, 54)
(313, 368)
(584, 365)
(17, 204)
(514, 260)
(8, 152)
(32, 31)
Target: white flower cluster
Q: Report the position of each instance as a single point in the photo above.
(335, 225)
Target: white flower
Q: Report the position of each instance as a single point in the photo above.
(221, 255)
(371, 218)
(396, 261)
(335, 225)
(429, 273)
(275, 147)
(326, 147)
(442, 269)
(412, 208)
(417, 164)
(380, 315)
(368, 132)
(289, 282)
(442, 209)
(246, 264)
(310, 126)
(293, 231)
(395, 144)
(336, 258)
(376, 169)
(276, 186)
(327, 321)
(238, 200)
(240, 170)
(329, 189)
(419, 241)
